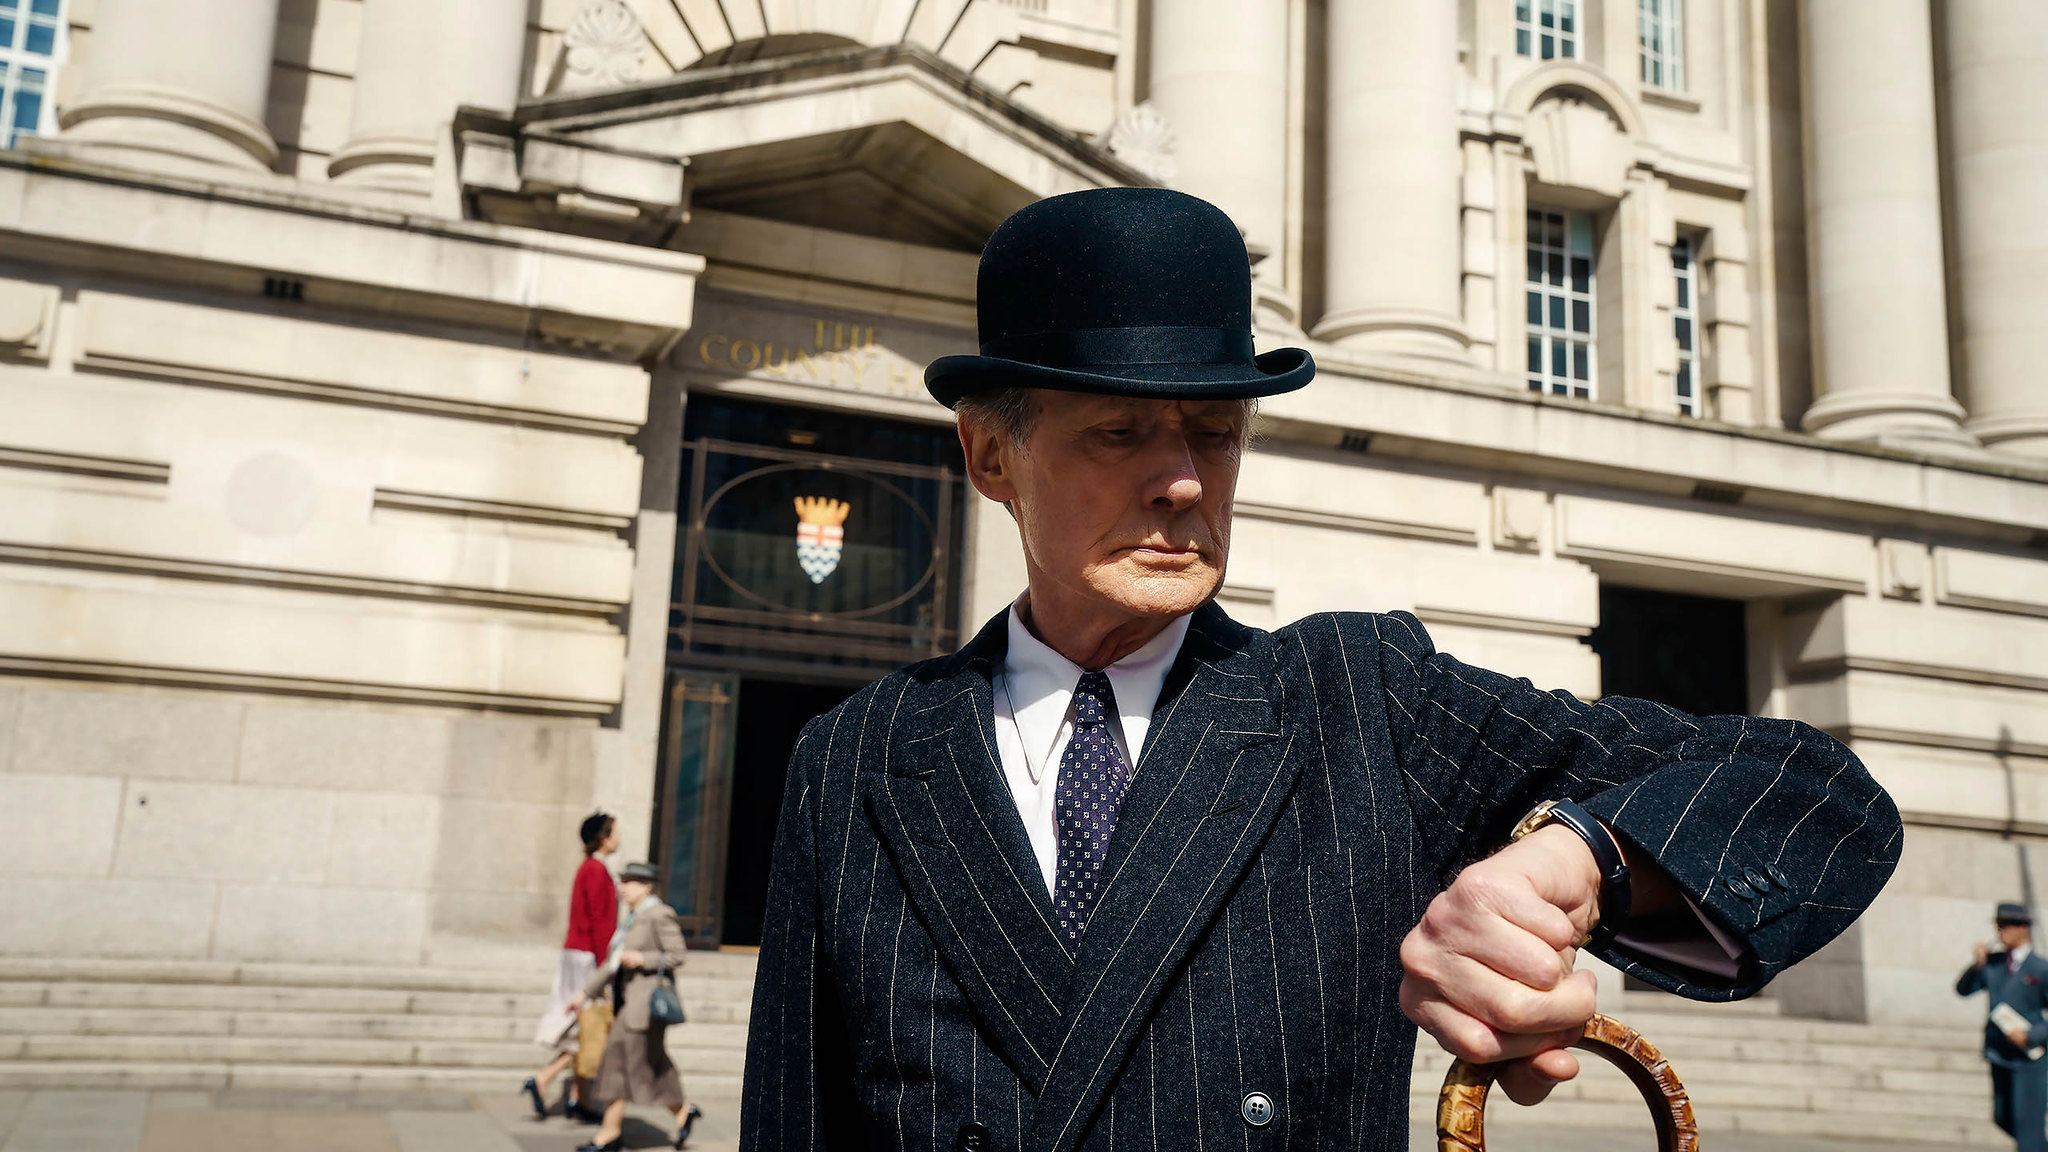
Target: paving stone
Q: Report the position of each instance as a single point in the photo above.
(67, 1121)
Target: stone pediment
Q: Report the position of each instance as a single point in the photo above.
(890, 142)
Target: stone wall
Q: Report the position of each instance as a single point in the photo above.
(163, 823)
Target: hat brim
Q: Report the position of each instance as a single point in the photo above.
(1282, 370)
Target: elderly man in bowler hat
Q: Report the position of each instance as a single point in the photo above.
(1123, 873)
(2017, 981)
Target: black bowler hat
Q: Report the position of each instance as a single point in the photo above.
(2014, 914)
(1123, 291)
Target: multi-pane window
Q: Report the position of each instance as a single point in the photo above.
(1661, 28)
(1547, 29)
(31, 32)
(1560, 303)
(1685, 326)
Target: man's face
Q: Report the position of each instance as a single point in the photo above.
(2011, 936)
(1122, 500)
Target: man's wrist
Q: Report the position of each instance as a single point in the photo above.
(1615, 899)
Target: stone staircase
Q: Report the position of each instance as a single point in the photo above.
(303, 1027)
(306, 1027)
(1750, 1070)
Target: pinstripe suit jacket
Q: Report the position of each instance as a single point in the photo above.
(1302, 796)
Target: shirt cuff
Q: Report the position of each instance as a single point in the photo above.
(1696, 943)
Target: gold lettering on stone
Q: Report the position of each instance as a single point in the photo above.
(833, 343)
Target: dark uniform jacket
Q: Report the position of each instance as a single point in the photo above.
(2026, 990)
(1301, 797)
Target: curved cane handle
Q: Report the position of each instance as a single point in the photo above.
(1461, 1107)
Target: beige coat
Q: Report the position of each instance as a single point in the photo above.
(654, 934)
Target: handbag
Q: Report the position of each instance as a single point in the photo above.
(593, 1028)
(664, 1007)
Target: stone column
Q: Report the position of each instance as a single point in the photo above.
(419, 61)
(1219, 77)
(1393, 256)
(1997, 122)
(188, 79)
(1880, 327)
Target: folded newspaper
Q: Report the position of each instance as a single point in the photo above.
(2008, 1020)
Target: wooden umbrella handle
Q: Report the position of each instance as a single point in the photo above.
(1461, 1107)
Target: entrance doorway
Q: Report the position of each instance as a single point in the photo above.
(816, 552)
(1690, 652)
(771, 715)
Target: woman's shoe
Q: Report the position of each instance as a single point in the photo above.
(582, 1115)
(540, 1106)
(690, 1118)
(615, 1144)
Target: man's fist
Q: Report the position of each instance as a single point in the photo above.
(1489, 969)
(1983, 955)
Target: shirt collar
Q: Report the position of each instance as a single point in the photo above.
(1041, 683)
(2019, 955)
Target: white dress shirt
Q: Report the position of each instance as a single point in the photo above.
(1034, 698)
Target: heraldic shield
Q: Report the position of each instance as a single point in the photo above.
(820, 535)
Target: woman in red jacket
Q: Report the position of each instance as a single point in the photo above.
(593, 918)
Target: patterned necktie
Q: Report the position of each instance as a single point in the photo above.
(1090, 792)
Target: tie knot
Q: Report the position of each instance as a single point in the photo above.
(1094, 701)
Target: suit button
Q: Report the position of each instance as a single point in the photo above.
(1736, 886)
(1257, 1109)
(1777, 876)
(973, 1138)
(1756, 880)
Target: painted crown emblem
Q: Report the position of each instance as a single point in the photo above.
(820, 537)
(821, 510)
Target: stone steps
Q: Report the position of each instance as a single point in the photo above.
(144, 1024)
(1756, 1072)
(25, 1075)
(305, 1027)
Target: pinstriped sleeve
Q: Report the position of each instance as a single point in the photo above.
(1773, 828)
(796, 1073)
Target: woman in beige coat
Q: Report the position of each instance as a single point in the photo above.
(649, 945)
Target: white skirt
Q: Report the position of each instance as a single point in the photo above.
(558, 1024)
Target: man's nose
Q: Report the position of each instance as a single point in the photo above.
(1176, 486)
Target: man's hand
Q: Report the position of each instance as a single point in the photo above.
(1983, 955)
(2018, 1037)
(1489, 969)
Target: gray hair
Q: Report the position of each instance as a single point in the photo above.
(1010, 410)
(1013, 411)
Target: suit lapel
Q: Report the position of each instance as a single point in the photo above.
(1209, 783)
(946, 814)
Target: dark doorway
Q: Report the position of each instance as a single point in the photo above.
(771, 714)
(1690, 652)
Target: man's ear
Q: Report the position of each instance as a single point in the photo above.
(989, 460)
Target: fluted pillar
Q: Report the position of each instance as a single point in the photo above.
(419, 61)
(1998, 148)
(1880, 328)
(188, 79)
(1219, 77)
(1392, 262)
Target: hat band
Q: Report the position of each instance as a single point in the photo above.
(1082, 347)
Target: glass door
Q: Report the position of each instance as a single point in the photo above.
(697, 730)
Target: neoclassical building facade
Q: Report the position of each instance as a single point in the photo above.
(423, 421)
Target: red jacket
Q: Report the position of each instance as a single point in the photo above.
(593, 909)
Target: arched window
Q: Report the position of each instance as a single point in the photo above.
(31, 41)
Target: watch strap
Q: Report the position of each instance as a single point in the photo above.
(1616, 895)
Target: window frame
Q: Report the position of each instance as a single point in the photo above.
(1562, 357)
(16, 58)
(1660, 43)
(1687, 396)
(1566, 26)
